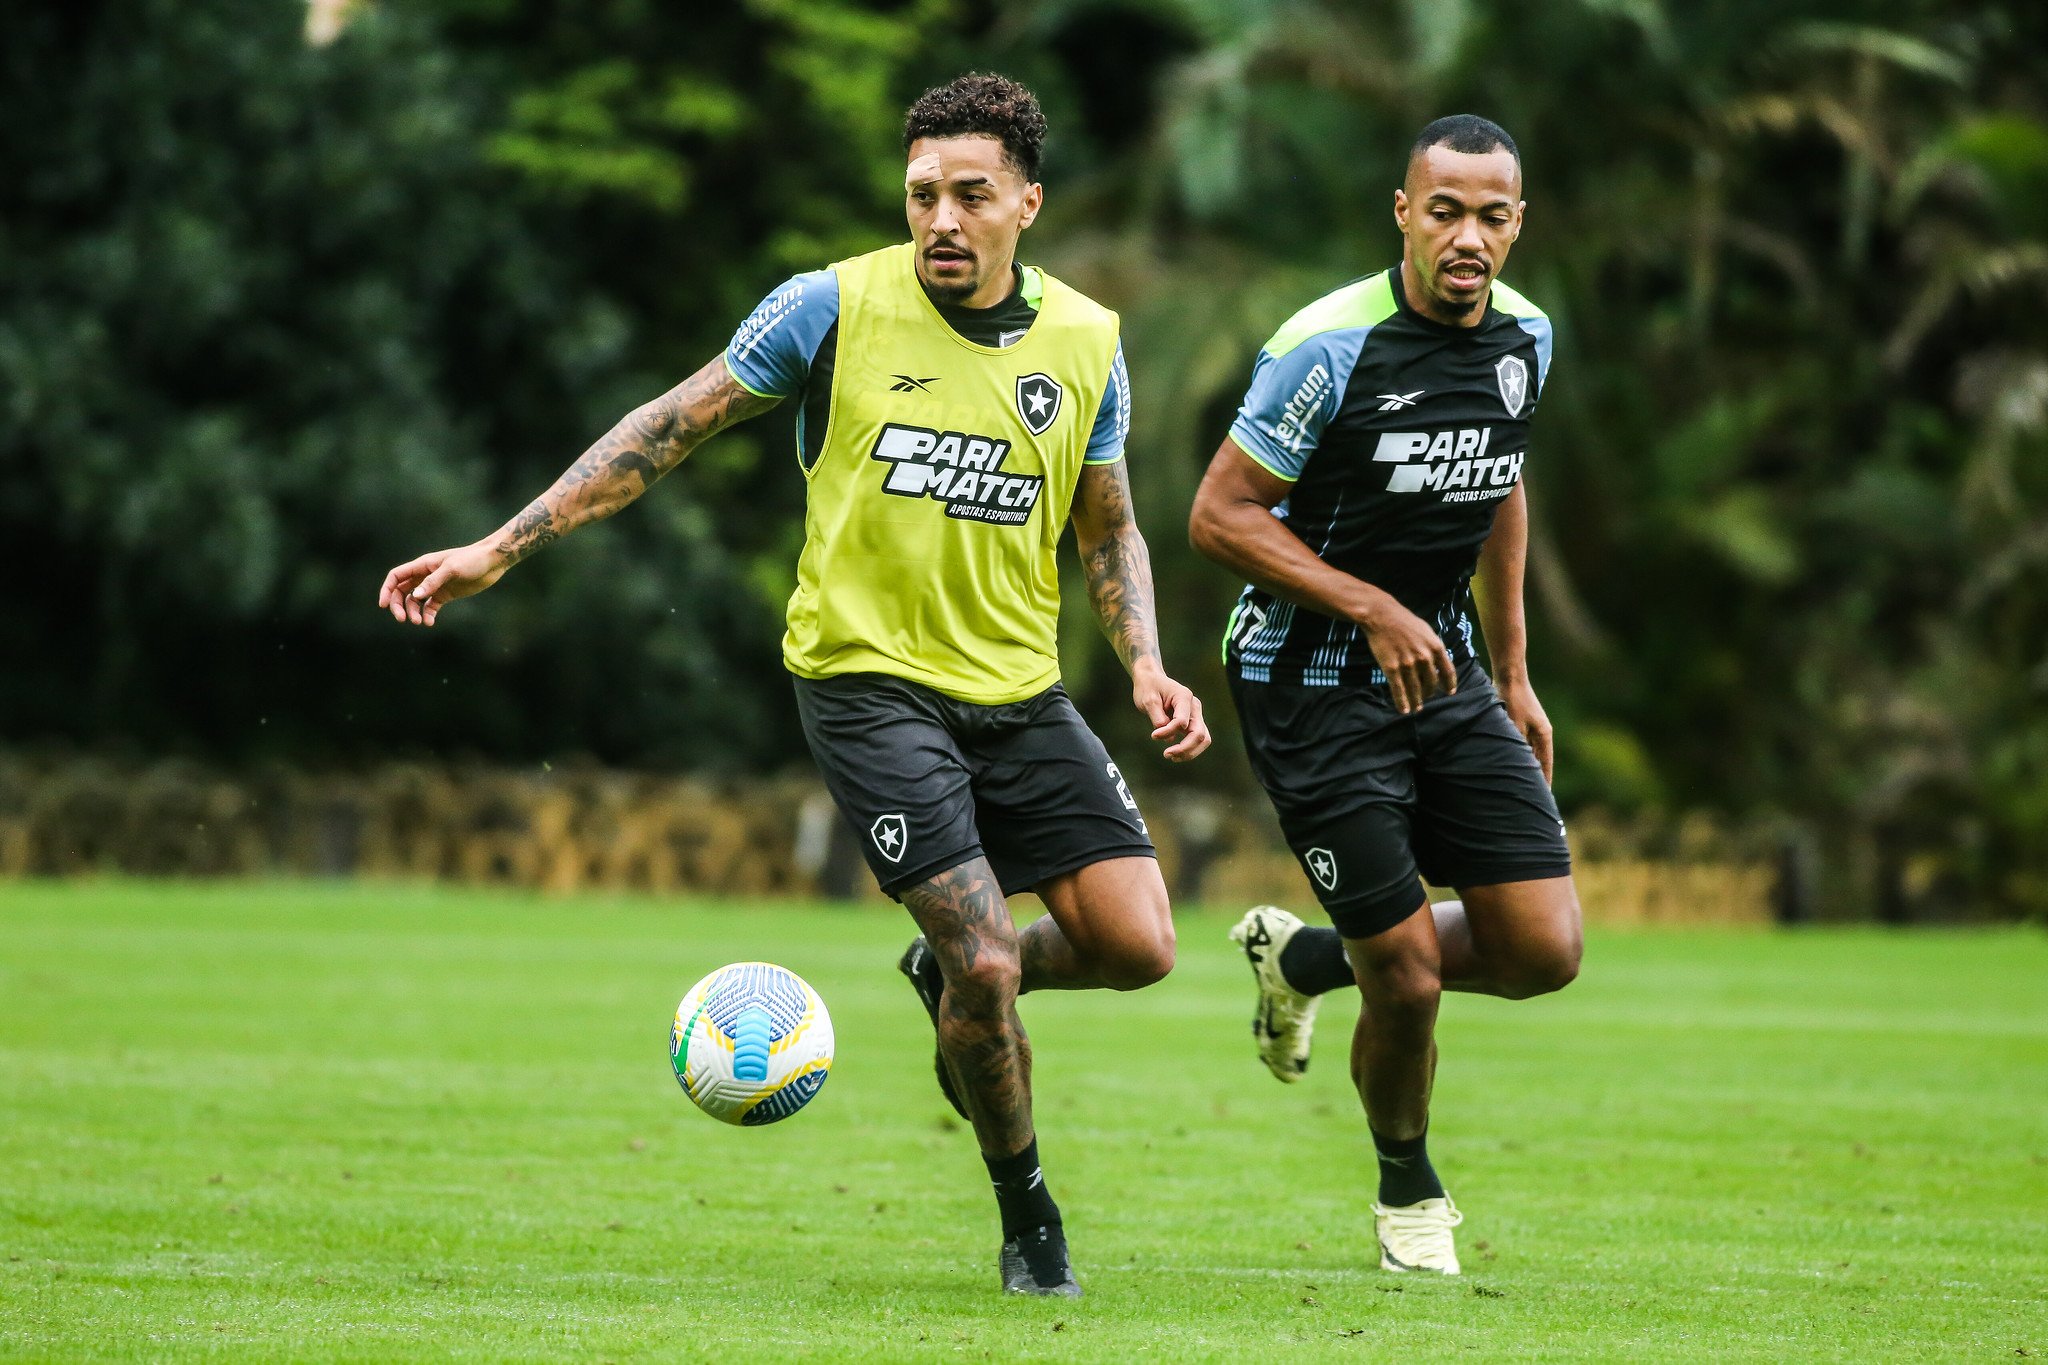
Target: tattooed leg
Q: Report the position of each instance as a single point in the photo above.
(1048, 962)
(967, 924)
(1109, 925)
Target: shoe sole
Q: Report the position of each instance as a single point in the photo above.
(1387, 1262)
(1017, 1279)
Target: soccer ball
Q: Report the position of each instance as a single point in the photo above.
(752, 1043)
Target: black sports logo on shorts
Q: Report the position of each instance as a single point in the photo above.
(959, 469)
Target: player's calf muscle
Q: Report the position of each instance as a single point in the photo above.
(967, 924)
(992, 1058)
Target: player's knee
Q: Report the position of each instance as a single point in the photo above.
(1561, 968)
(1415, 996)
(1140, 951)
(985, 987)
(1550, 968)
(1142, 963)
(1401, 988)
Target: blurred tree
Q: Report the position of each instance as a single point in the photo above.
(273, 317)
(1797, 266)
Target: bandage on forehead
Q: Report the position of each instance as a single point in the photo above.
(923, 171)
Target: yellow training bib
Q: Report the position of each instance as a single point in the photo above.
(937, 500)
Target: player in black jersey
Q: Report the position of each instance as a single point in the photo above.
(1376, 463)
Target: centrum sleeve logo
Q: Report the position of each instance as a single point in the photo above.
(1293, 428)
(959, 469)
(764, 320)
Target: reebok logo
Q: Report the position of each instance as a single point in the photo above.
(906, 384)
(1394, 402)
(959, 469)
(1454, 463)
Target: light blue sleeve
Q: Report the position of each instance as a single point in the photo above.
(1113, 417)
(771, 353)
(1546, 339)
(1292, 398)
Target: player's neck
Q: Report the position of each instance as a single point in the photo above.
(1428, 309)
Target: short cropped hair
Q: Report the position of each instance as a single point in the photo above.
(987, 105)
(1467, 133)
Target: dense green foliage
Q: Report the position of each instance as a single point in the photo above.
(360, 1124)
(273, 317)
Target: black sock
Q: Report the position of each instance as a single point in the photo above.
(1406, 1177)
(1020, 1191)
(1313, 961)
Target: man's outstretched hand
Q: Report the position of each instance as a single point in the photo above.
(1175, 712)
(417, 590)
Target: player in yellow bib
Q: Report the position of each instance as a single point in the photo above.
(957, 412)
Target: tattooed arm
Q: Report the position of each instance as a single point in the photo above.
(1119, 573)
(646, 444)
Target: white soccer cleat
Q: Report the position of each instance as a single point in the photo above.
(1418, 1236)
(1286, 1019)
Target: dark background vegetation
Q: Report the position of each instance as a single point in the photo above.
(276, 315)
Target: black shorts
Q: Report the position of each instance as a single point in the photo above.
(928, 782)
(1374, 802)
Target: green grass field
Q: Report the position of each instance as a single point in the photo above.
(368, 1123)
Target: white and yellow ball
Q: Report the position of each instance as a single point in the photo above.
(752, 1043)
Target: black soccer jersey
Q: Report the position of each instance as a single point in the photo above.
(1401, 436)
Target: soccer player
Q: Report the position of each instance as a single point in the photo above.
(957, 410)
(1376, 462)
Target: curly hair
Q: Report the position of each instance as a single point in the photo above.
(985, 104)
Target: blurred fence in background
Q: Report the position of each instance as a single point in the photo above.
(586, 828)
